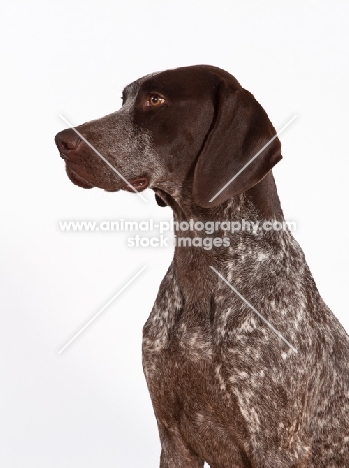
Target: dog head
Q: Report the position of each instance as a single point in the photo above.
(190, 129)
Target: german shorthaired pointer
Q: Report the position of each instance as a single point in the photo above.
(226, 389)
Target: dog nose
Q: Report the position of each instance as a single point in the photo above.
(67, 141)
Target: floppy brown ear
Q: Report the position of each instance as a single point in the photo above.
(240, 130)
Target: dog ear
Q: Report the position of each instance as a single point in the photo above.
(241, 128)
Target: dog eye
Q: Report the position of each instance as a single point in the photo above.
(154, 100)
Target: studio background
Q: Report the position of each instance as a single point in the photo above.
(89, 406)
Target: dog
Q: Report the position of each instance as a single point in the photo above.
(245, 364)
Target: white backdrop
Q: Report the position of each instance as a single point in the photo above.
(89, 406)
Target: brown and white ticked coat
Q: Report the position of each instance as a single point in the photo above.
(225, 388)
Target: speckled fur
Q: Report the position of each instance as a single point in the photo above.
(222, 381)
(224, 387)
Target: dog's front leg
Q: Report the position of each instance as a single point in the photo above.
(175, 453)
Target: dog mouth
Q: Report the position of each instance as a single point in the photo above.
(138, 183)
(78, 180)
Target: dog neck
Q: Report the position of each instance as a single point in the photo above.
(233, 225)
